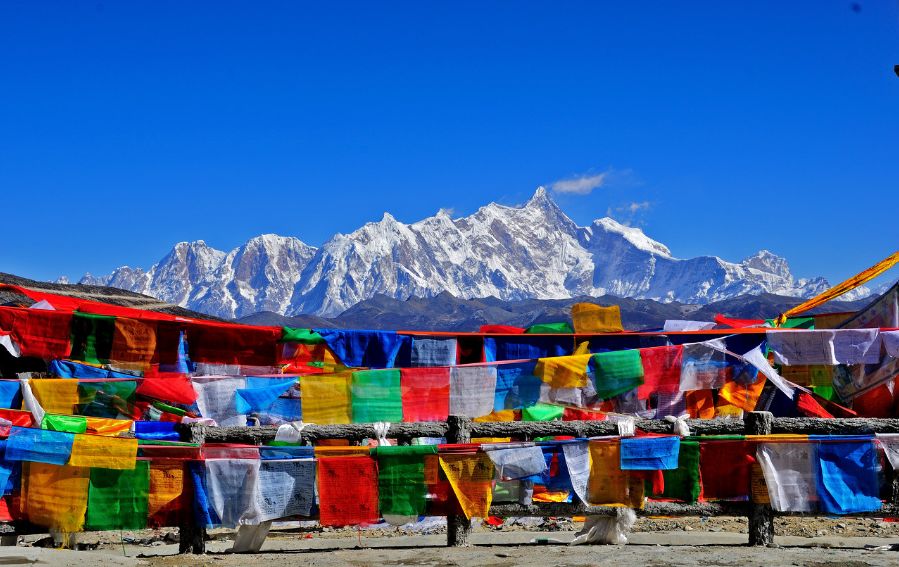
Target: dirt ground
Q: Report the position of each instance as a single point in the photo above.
(813, 542)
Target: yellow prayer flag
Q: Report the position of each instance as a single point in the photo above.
(56, 496)
(592, 318)
(59, 396)
(103, 452)
(471, 476)
(564, 371)
(608, 484)
(326, 398)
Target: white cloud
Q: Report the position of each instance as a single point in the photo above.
(635, 207)
(580, 185)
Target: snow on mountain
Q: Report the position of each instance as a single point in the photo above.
(533, 251)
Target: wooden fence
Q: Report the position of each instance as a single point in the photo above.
(459, 429)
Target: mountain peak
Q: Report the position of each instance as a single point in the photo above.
(767, 261)
(633, 235)
(540, 199)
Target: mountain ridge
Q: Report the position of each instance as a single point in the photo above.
(530, 251)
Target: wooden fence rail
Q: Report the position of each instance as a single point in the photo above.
(459, 429)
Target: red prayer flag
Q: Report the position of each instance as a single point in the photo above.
(348, 491)
(225, 343)
(806, 404)
(877, 402)
(661, 370)
(425, 393)
(169, 387)
(501, 330)
(17, 417)
(38, 332)
(578, 414)
(738, 323)
(724, 468)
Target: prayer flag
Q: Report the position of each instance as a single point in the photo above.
(39, 445)
(617, 372)
(326, 399)
(401, 479)
(471, 477)
(165, 506)
(118, 499)
(103, 452)
(286, 488)
(592, 318)
(425, 393)
(376, 396)
(608, 485)
(846, 479)
(260, 394)
(564, 371)
(348, 491)
(432, 351)
(56, 496)
(649, 453)
(683, 483)
(661, 370)
(231, 486)
(472, 390)
(725, 465)
(92, 337)
(371, 349)
(57, 396)
(517, 386)
(789, 470)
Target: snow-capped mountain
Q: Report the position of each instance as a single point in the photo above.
(530, 251)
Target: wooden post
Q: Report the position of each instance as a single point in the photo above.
(458, 527)
(191, 535)
(761, 516)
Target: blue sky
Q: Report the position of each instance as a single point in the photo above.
(722, 127)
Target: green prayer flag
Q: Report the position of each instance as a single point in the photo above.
(542, 412)
(169, 409)
(105, 399)
(118, 499)
(401, 479)
(550, 328)
(682, 483)
(617, 372)
(376, 396)
(795, 323)
(304, 336)
(827, 392)
(92, 337)
(67, 423)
